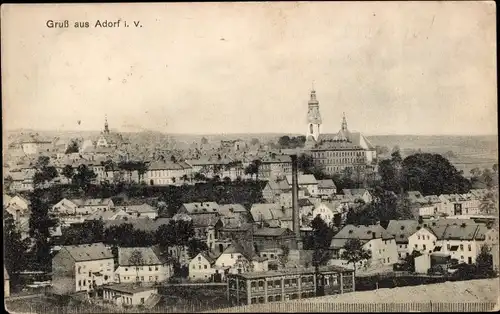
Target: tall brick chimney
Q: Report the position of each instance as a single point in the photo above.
(295, 202)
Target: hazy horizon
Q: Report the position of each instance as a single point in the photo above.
(394, 68)
(235, 133)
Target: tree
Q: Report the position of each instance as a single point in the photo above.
(199, 177)
(321, 240)
(409, 260)
(254, 141)
(7, 182)
(43, 172)
(195, 246)
(14, 249)
(475, 172)
(253, 168)
(227, 179)
(68, 171)
(484, 261)
(381, 150)
(141, 168)
(204, 141)
(487, 178)
(40, 223)
(84, 177)
(354, 252)
(136, 259)
(72, 147)
(284, 141)
(176, 235)
(432, 174)
(283, 257)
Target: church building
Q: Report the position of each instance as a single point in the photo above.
(336, 152)
(108, 139)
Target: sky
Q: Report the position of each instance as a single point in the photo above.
(394, 68)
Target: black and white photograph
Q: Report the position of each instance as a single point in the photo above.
(251, 157)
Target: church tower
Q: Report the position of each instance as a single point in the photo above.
(313, 118)
(106, 126)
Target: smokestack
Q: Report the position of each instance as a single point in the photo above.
(295, 202)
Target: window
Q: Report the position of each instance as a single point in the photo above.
(79, 283)
(470, 248)
(199, 266)
(205, 266)
(199, 258)
(90, 274)
(424, 246)
(416, 246)
(126, 269)
(150, 278)
(194, 266)
(150, 268)
(232, 256)
(461, 247)
(156, 267)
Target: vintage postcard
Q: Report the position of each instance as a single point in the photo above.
(250, 157)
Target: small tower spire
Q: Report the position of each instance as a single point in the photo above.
(106, 126)
(344, 122)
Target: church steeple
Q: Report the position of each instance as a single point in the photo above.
(313, 117)
(344, 122)
(106, 126)
(343, 135)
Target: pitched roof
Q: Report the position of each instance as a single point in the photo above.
(211, 257)
(149, 256)
(363, 233)
(92, 201)
(326, 184)
(165, 165)
(265, 211)
(205, 220)
(105, 214)
(271, 232)
(402, 229)
(142, 208)
(464, 232)
(415, 196)
(143, 224)
(354, 192)
(278, 158)
(228, 210)
(201, 207)
(304, 179)
(278, 185)
(88, 252)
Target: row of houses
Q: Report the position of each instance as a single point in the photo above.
(128, 278)
(163, 172)
(459, 239)
(449, 204)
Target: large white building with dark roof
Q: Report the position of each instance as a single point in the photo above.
(82, 268)
(336, 152)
